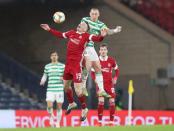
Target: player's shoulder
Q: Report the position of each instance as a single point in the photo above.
(47, 65)
(110, 58)
(86, 18)
(61, 64)
(100, 22)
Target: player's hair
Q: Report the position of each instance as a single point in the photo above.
(94, 9)
(51, 52)
(104, 45)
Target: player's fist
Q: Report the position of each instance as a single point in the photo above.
(45, 27)
(42, 83)
(118, 29)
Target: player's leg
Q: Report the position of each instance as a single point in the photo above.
(59, 100)
(99, 77)
(50, 100)
(82, 99)
(69, 94)
(111, 110)
(87, 67)
(59, 114)
(100, 110)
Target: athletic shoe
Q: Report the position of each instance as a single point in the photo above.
(70, 107)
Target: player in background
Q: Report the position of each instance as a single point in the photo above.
(108, 64)
(53, 72)
(91, 57)
(76, 44)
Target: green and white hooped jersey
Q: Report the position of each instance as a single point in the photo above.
(95, 27)
(54, 72)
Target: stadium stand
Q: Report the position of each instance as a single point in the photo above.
(18, 86)
(160, 12)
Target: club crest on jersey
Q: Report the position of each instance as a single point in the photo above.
(109, 64)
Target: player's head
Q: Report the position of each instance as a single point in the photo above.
(94, 14)
(54, 56)
(103, 51)
(82, 27)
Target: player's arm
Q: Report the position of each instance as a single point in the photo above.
(116, 74)
(114, 31)
(111, 31)
(97, 38)
(44, 77)
(55, 32)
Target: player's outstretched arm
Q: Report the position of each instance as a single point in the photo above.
(98, 38)
(52, 31)
(114, 31)
(45, 27)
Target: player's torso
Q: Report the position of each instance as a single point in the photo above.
(55, 73)
(95, 28)
(76, 46)
(107, 66)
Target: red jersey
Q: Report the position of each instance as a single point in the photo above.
(107, 66)
(76, 44)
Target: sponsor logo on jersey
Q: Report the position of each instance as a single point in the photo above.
(105, 69)
(75, 41)
(109, 64)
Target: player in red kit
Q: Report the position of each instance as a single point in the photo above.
(108, 64)
(76, 44)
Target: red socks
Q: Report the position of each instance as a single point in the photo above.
(112, 111)
(82, 100)
(100, 110)
(69, 94)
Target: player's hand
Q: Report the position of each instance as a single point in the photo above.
(103, 33)
(114, 81)
(42, 83)
(61, 78)
(45, 27)
(118, 29)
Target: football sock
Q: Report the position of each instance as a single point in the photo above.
(59, 115)
(99, 81)
(82, 100)
(69, 94)
(100, 110)
(112, 111)
(50, 110)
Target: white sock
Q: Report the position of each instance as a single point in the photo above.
(59, 115)
(50, 111)
(99, 81)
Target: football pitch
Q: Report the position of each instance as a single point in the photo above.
(116, 128)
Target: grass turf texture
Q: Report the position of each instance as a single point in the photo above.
(116, 128)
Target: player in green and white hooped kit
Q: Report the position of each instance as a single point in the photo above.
(53, 72)
(91, 57)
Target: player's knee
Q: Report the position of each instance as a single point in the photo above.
(78, 91)
(97, 68)
(101, 101)
(111, 101)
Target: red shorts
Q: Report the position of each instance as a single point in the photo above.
(109, 88)
(73, 72)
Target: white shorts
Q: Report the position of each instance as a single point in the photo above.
(55, 96)
(91, 53)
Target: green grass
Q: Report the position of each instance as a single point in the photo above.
(117, 128)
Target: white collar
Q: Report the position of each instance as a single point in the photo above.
(103, 58)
